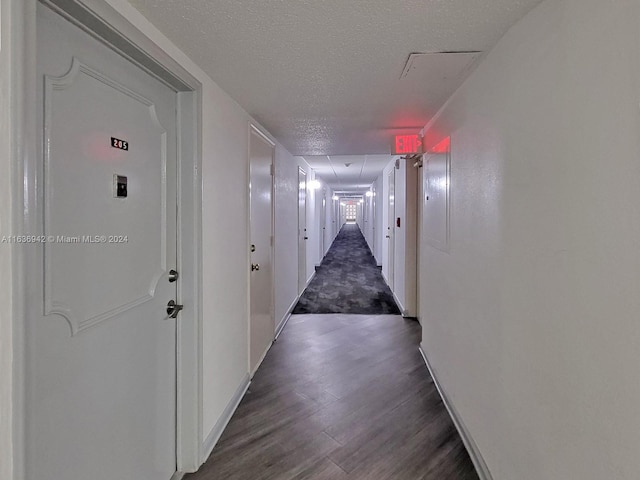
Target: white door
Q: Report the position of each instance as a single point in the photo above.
(373, 222)
(101, 347)
(262, 326)
(302, 230)
(323, 220)
(391, 219)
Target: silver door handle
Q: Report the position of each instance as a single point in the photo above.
(173, 309)
(255, 266)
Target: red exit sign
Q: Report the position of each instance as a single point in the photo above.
(406, 144)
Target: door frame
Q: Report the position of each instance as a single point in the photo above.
(109, 26)
(391, 228)
(302, 282)
(255, 129)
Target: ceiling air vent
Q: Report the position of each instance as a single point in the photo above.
(440, 65)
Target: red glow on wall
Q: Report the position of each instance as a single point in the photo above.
(443, 147)
(407, 144)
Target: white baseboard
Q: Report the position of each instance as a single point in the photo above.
(264, 354)
(279, 329)
(403, 310)
(287, 316)
(221, 424)
(472, 448)
(177, 476)
(313, 275)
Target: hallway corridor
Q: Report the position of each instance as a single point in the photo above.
(297, 239)
(341, 396)
(348, 280)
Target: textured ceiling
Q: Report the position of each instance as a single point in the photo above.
(331, 78)
(323, 76)
(348, 173)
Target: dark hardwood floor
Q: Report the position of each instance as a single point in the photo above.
(341, 397)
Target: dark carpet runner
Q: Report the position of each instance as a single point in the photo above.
(348, 280)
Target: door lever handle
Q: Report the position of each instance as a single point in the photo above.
(173, 309)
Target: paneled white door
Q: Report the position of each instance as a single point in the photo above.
(101, 346)
(262, 323)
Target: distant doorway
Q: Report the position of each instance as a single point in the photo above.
(350, 212)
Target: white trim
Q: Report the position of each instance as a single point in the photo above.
(286, 317)
(313, 275)
(23, 124)
(221, 424)
(472, 448)
(102, 21)
(264, 354)
(177, 476)
(189, 339)
(399, 304)
(260, 133)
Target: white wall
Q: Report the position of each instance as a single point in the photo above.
(286, 228)
(286, 233)
(6, 312)
(225, 250)
(531, 319)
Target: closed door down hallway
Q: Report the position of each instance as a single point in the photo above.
(342, 395)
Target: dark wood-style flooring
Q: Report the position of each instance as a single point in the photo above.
(341, 397)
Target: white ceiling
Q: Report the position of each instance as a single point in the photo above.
(348, 173)
(334, 77)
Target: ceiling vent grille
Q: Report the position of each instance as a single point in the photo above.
(442, 65)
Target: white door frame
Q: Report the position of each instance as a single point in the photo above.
(112, 28)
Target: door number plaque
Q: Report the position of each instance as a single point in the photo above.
(121, 144)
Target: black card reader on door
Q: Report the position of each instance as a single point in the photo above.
(120, 186)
